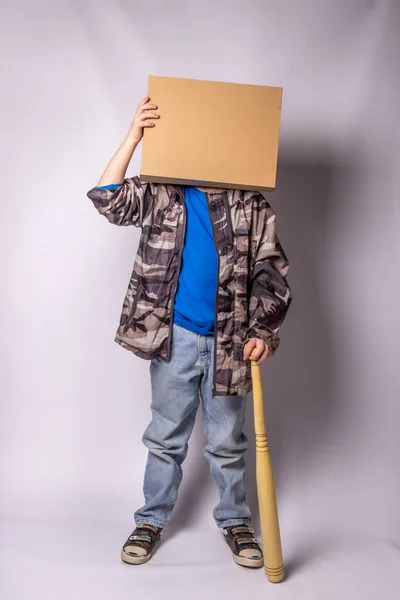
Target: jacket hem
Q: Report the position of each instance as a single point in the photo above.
(136, 351)
(239, 391)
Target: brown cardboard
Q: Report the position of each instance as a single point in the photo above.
(212, 133)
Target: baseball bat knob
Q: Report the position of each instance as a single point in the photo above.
(274, 575)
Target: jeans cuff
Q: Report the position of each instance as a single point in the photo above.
(149, 522)
(231, 522)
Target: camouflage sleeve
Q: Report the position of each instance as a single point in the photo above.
(270, 294)
(127, 204)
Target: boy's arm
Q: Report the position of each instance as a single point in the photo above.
(125, 201)
(270, 295)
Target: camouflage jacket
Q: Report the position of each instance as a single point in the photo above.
(252, 294)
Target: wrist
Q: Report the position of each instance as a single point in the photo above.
(131, 141)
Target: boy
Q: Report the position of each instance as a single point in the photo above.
(208, 289)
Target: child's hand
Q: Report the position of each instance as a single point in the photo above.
(256, 349)
(142, 119)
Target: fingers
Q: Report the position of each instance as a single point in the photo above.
(258, 350)
(264, 355)
(147, 115)
(145, 108)
(145, 120)
(145, 99)
(145, 105)
(144, 113)
(248, 348)
(253, 348)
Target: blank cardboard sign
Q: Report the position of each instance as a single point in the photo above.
(212, 133)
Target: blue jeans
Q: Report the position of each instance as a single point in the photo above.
(177, 387)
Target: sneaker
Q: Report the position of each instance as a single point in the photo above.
(244, 546)
(139, 546)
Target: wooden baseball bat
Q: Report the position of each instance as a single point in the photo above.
(270, 533)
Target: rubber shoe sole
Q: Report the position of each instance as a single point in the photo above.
(245, 561)
(135, 560)
(131, 559)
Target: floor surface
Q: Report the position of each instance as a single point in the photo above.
(83, 561)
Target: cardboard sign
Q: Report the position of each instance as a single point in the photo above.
(212, 133)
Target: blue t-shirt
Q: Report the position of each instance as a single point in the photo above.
(194, 306)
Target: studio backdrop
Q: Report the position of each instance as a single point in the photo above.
(75, 404)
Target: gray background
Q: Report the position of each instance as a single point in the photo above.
(74, 404)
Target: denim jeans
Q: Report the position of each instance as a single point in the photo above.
(177, 386)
